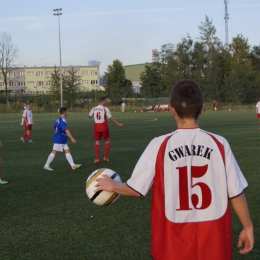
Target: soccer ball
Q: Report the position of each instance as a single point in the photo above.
(102, 198)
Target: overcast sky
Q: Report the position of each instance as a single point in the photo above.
(106, 30)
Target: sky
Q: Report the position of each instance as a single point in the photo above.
(106, 30)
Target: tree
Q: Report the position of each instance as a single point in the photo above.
(55, 83)
(114, 79)
(8, 55)
(72, 84)
(151, 79)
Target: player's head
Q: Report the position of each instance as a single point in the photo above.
(63, 111)
(102, 100)
(186, 99)
(27, 105)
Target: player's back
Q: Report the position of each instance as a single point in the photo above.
(100, 114)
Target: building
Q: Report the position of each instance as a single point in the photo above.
(38, 79)
(133, 73)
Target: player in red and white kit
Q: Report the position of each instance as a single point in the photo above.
(257, 107)
(195, 178)
(28, 122)
(101, 129)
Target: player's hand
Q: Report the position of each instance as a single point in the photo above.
(246, 238)
(104, 183)
(73, 140)
(120, 125)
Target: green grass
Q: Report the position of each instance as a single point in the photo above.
(47, 215)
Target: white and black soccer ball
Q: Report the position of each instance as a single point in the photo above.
(102, 198)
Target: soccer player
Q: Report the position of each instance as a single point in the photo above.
(2, 181)
(60, 141)
(24, 107)
(195, 178)
(101, 129)
(258, 111)
(214, 105)
(28, 122)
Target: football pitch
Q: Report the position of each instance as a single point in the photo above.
(47, 215)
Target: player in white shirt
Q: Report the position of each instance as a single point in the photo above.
(101, 130)
(24, 107)
(195, 178)
(2, 181)
(28, 122)
(258, 111)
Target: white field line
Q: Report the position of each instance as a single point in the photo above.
(140, 121)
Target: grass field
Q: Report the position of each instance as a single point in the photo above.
(47, 215)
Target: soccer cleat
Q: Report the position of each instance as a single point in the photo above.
(30, 141)
(96, 161)
(105, 159)
(48, 168)
(21, 124)
(3, 181)
(22, 140)
(76, 166)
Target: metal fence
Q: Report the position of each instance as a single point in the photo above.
(45, 103)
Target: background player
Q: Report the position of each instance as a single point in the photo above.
(24, 107)
(60, 140)
(194, 176)
(101, 129)
(258, 111)
(28, 122)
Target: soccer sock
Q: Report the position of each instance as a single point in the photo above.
(29, 137)
(50, 159)
(24, 135)
(70, 159)
(107, 146)
(22, 120)
(97, 151)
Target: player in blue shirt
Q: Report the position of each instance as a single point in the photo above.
(60, 141)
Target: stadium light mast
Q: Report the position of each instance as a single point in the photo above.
(226, 20)
(58, 13)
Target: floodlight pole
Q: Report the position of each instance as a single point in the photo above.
(58, 13)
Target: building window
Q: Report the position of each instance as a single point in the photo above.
(93, 82)
(93, 72)
(11, 84)
(12, 74)
(77, 73)
(48, 83)
(30, 72)
(2, 84)
(48, 74)
(21, 73)
(30, 82)
(39, 73)
(39, 83)
(84, 72)
(21, 84)
(84, 82)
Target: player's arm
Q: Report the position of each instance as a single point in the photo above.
(70, 136)
(256, 110)
(1, 146)
(108, 184)
(246, 236)
(115, 122)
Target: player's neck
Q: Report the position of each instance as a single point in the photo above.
(186, 123)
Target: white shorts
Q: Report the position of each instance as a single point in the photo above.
(60, 147)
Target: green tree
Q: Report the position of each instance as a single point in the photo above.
(114, 79)
(151, 79)
(55, 84)
(72, 83)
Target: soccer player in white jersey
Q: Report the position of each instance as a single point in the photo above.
(28, 122)
(101, 129)
(60, 140)
(24, 107)
(258, 111)
(195, 178)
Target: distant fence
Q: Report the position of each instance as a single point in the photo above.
(45, 103)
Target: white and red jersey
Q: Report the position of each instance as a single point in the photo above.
(258, 107)
(193, 174)
(100, 114)
(28, 115)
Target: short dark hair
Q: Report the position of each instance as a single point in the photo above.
(62, 110)
(102, 99)
(186, 99)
